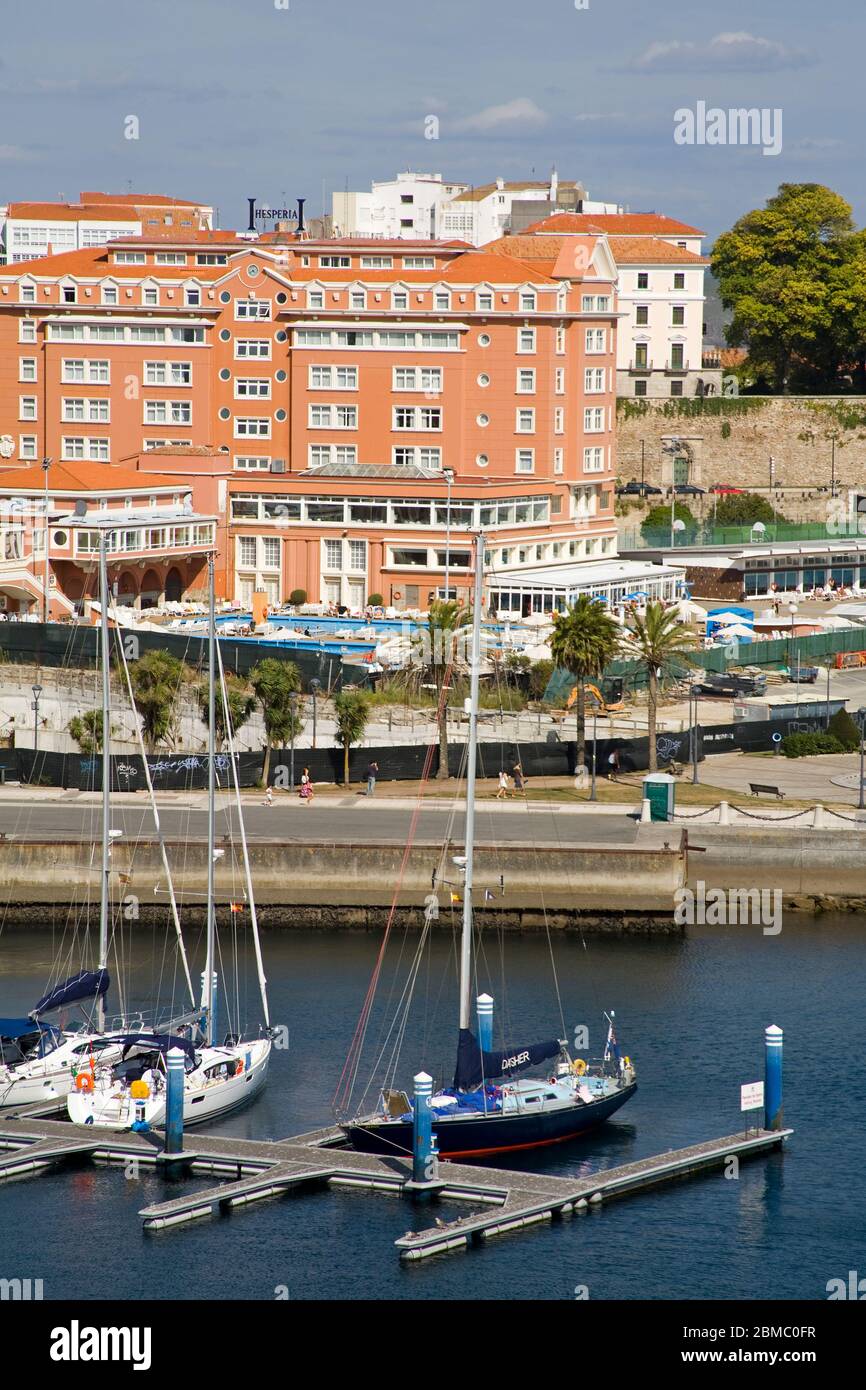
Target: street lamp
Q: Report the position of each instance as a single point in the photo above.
(37, 691)
(861, 720)
(448, 474)
(676, 526)
(293, 707)
(792, 611)
(315, 687)
(693, 720)
(592, 793)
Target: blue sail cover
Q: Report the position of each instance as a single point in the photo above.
(497, 1066)
(87, 984)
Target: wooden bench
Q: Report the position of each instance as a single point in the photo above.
(763, 789)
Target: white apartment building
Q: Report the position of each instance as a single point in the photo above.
(423, 205)
(29, 231)
(660, 295)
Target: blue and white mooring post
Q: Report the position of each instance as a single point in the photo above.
(773, 1109)
(484, 1007)
(174, 1101)
(423, 1151)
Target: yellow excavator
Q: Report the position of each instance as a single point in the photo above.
(613, 707)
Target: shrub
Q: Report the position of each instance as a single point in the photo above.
(843, 727)
(375, 600)
(805, 745)
(297, 597)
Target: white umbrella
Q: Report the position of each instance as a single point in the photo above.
(738, 630)
(725, 618)
(687, 609)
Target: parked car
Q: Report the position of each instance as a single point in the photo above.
(803, 675)
(725, 491)
(688, 490)
(635, 489)
(729, 683)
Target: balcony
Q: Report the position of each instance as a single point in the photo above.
(639, 368)
(675, 368)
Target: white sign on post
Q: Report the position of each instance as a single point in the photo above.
(752, 1095)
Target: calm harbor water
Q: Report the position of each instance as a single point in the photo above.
(691, 1015)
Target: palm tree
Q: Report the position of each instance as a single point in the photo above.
(86, 730)
(239, 698)
(445, 618)
(156, 680)
(585, 639)
(352, 710)
(663, 647)
(276, 684)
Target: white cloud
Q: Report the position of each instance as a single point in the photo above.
(519, 114)
(735, 52)
(13, 154)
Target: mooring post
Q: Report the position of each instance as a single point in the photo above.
(484, 1006)
(423, 1156)
(174, 1102)
(773, 1108)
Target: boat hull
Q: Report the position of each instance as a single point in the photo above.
(477, 1136)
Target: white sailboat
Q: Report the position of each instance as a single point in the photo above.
(38, 1061)
(131, 1092)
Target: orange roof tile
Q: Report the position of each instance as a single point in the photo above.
(72, 212)
(481, 265)
(159, 200)
(648, 250)
(90, 477)
(624, 223)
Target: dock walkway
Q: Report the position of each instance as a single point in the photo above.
(253, 1170)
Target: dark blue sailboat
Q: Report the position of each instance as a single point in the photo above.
(495, 1104)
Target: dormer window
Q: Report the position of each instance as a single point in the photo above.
(400, 298)
(150, 295)
(441, 299)
(315, 297)
(109, 294)
(68, 294)
(192, 295)
(528, 300)
(357, 299)
(484, 300)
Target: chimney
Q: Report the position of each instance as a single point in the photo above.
(554, 185)
(500, 184)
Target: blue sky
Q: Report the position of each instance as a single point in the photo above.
(237, 98)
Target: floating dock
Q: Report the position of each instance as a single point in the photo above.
(255, 1170)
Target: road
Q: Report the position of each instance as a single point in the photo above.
(359, 821)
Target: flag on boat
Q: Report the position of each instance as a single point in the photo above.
(488, 895)
(456, 898)
(236, 907)
(611, 1046)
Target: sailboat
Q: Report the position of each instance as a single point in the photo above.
(218, 1077)
(39, 1061)
(495, 1104)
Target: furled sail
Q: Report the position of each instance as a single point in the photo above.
(87, 984)
(473, 1066)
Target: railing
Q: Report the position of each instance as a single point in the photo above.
(676, 367)
(640, 366)
(636, 538)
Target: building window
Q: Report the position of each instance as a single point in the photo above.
(560, 338)
(643, 280)
(149, 296)
(526, 340)
(559, 420)
(677, 361)
(270, 552)
(418, 262)
(678, 315)
(525, 380)
(358, 299)
(109, 294)
(640, 388)
(641, 315)
(559, 381)
(26, 368)
(676, 388)
(593, 379)
(315, 299)
(593, 420)
(246, 387)
(528, 301)
(253, 347)
(335, 262)
(26, 407)
(593, 460)
(558, 460)
(333, 555)
(192, 296)
(399, 299)
(253, 463)
(247, 551)
(524, 461)
(484, 301)
(525, 423)
(252, 309)
(358, 555)
(595, 340)
(442, 300)
(27, 331)
(252, 427)
(679, 280)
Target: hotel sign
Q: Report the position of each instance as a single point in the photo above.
(258, 214)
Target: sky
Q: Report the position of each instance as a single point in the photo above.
(279, 99)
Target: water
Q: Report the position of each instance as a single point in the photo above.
(692, 1014)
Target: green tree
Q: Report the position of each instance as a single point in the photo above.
(352, 710)
(662, 647)
(585, 639)
(784, 272)
(745, 509)
(445, 619)
(657, 522)
(156, 680)
(276, 685)
(240, 700)
(86, 730)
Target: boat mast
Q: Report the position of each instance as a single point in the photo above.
(211, 798)
(475, 663)
(106, 768)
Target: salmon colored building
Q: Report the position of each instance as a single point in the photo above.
(348, 410)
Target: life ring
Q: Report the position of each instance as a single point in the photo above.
(578, 1066)
(240, 1066)
(84, 1081)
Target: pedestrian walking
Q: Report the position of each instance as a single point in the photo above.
(372, 774)
(269, 796)
(613, 765)
(306, 792)
(502, 793)
(519, 779)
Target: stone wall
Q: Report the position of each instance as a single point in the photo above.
(731, 439)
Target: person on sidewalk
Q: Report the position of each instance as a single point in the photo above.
(306, 792)
(269, 796)
(372, 774)
(502, 794)
(519, 779)
(613, 765)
